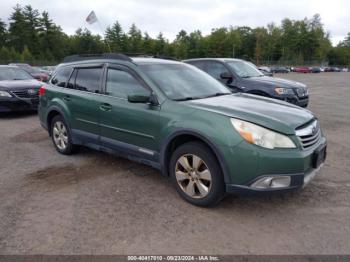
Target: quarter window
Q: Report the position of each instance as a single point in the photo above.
(88, 79)
(121, 83)
(60, 79)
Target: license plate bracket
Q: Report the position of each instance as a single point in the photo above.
(319, 156)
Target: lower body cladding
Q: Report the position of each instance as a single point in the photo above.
(274, 170)
(14, 104)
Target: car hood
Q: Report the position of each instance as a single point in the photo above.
(271, 113)
(274, 82)
(19, 84)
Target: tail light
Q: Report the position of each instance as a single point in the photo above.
(42, 91)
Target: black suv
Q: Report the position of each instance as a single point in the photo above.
(242, 76)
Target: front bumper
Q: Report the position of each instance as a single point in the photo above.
(297, 181)
(293, 99)
(15, 104)
(248, 164)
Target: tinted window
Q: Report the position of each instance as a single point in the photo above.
(121, 83)
(60, 79)
(88, 79)
(215, 69)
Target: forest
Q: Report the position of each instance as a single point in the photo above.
(33, 37)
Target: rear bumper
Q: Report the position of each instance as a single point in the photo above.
(14, 104)
(298, 181)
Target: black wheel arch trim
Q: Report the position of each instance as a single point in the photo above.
(55, 108)
(167, 142)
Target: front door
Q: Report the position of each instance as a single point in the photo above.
(130, 126)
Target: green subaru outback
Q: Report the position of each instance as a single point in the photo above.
(180, 120)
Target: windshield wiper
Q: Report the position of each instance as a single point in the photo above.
(217, 94)
(185, 98)
(245, 76)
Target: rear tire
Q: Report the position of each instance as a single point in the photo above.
(196, 174)
(61, 136)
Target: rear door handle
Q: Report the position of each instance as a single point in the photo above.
(105, 107)
(66, 98)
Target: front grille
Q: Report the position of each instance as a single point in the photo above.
(27, 93)
(309, 135)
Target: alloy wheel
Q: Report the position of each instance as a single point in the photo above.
(193, 176)
(60, 135)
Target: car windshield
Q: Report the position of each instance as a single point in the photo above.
(30, 70)
(183, 82)
(11, 73)
(244, 69)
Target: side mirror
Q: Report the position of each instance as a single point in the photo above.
(226, 75)
(143, 97)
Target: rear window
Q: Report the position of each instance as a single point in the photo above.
(61, 77)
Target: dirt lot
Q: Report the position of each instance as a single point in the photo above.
(92, 203)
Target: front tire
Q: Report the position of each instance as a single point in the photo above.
(196, 174)
(61, 136)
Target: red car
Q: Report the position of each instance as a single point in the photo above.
(302, 69)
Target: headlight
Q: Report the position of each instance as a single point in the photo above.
(5, 94)
(261, 136)
(284, 91)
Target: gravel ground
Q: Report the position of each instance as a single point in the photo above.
(93, 203)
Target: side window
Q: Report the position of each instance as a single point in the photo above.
(60, 79)
(71, 82)
(88, 79)
(121, 84)
(215, 69)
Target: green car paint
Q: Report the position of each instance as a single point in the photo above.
(145, 131)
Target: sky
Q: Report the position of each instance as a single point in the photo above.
(170, 16)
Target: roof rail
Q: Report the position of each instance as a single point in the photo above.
(152, 56)
(82, 57)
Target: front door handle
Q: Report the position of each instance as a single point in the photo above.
(66, 98)
(105, 107)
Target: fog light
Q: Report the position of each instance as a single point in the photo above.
(272, 182)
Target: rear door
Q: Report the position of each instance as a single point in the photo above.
(130, 126)
(83, 99)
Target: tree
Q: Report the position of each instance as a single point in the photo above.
(31, 23)
(26, 56)
(116, 38)
(17, 29)
(3, 33)
(5, 56)
(52, 39)
(160, 45)
(134, 39)
(83, 42)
